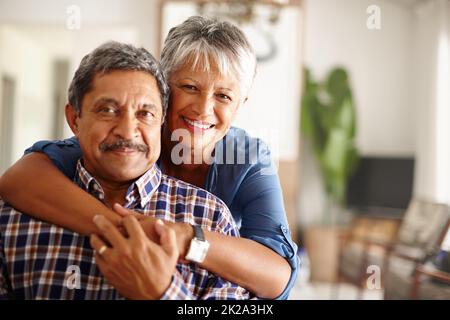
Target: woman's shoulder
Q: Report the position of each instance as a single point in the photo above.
(240, 159)
(240, 148)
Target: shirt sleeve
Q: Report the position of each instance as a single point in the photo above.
(264, 219)
(177, 289)
(221, 289)
(216, 289)
(4, 287)
(63, 153)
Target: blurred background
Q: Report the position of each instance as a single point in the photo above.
(353, 97)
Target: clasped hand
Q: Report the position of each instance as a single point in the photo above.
(138, 263)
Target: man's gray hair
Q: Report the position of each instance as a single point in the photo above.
(200, 39)
(112, 56)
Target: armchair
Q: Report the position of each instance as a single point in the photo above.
(397, 253)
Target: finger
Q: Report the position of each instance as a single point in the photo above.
(148, 225)
(97, 243)
(109, 231)
(105, 268)
(167, 239)
(121, 210)
(133, 228)
(124, 212)
(101, 264)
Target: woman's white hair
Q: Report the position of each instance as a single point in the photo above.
(198, 40)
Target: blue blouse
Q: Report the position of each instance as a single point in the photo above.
(242, 175)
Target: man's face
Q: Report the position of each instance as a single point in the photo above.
(120, 125)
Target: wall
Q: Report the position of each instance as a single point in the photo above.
(272, 110)
(432, 54)
(113, 13)
(379, 63)
(44, 24)
(33, 109)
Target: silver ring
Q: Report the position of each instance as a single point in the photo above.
(102, 250)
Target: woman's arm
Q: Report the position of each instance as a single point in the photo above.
(35, 186)
(241, 261)
(248, 264)
(264, 260)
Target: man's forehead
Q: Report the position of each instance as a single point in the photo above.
(122, 85)
(124, 78)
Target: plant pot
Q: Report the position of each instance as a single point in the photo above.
(322, 246)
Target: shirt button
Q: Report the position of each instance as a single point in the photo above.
(283, 228)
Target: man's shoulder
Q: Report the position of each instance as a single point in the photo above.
(6, 210)
(188, 192)
(196, 205)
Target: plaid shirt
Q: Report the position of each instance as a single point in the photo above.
(39, 260)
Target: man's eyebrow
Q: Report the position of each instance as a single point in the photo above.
(150, 106)
(103, 101)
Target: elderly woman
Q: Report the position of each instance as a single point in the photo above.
(210, 67)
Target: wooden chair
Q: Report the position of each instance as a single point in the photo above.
(412, 240)
(410, 276)
(428, 281)
(365, 243)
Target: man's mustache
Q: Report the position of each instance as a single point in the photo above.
(123, 143)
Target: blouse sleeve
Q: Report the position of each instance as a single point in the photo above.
(263, 214)
(63, 153)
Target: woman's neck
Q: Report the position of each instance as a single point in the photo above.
(188, 170)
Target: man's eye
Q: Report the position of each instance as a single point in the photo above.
(146, 114)
(108, 110)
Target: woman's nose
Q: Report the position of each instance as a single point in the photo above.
(205, 105)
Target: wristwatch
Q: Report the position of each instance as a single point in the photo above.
(199, 246)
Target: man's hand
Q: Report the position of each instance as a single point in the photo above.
(184, 231)
(136, 266)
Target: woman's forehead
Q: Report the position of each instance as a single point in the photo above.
(205, 68)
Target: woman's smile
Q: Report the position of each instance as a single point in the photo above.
(197, 126)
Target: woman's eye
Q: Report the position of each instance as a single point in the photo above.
(224, 97)
(189, 87)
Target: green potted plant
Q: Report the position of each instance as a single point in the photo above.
(328, 121)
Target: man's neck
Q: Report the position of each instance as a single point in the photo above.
(115, 192)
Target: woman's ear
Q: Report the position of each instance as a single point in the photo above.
(72, 118)
(241, 104)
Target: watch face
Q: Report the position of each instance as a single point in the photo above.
(197, 250)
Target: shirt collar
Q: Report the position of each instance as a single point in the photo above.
(139, 192)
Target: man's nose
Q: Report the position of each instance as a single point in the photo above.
(127, 127)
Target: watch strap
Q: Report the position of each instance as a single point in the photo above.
(198, 233)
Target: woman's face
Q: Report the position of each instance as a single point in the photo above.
(202, 103)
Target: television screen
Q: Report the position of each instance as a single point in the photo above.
(381, 182)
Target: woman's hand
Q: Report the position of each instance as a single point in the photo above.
(138, 267)
(184, 231)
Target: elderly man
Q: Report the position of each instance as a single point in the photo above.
(117, 103)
